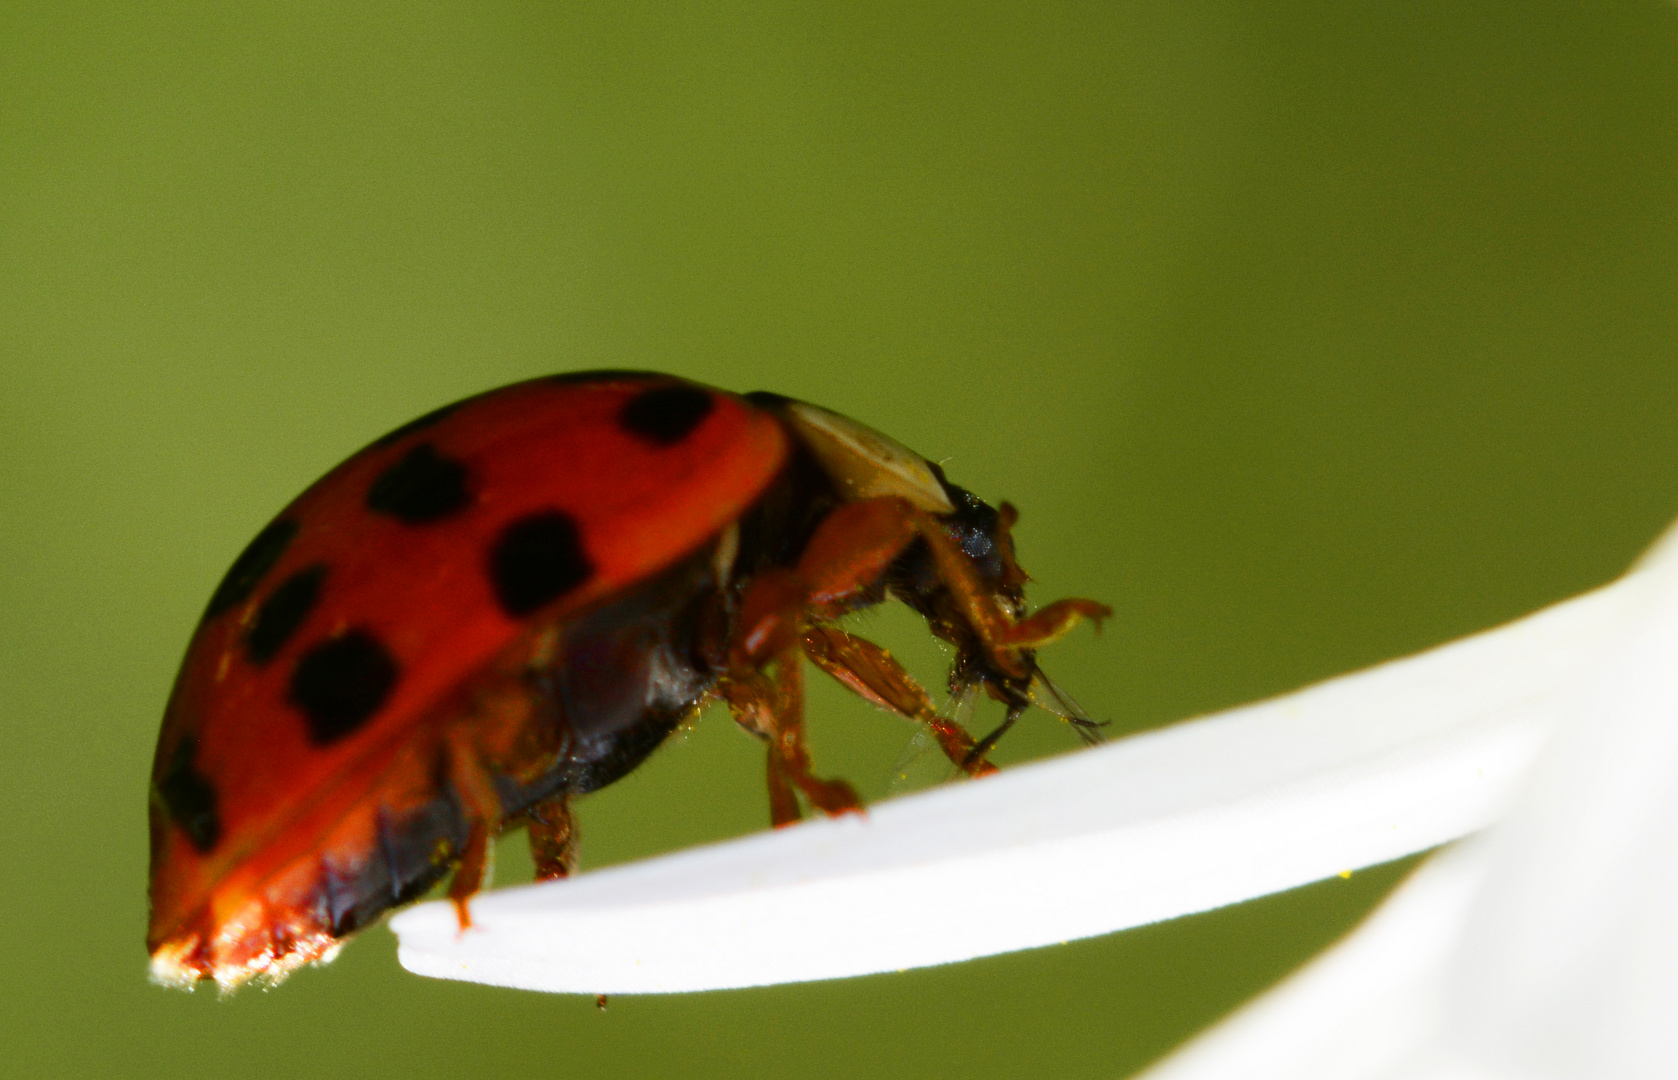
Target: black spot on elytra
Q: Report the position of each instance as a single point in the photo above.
(767, 399)
(253, 563)
(419, 423)
(283, 612)
(667, 415)
(537, 559)
(422, 487)
(340, 683)
(189, 797)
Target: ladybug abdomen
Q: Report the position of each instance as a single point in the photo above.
(619, 680)
(632, 670)
(401, 864)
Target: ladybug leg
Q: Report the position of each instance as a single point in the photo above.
(788, 748)
(470, 875)
(1053, 621)
(849, 551)
(752, 700)
(552, 832)
(874, 674)
(843, 560)
(1003, 637)
(783, 799)
(476, 792)
(846, 556)
(988, 743)
(852, 548)
(773, 710)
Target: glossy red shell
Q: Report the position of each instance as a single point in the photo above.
(286, 802)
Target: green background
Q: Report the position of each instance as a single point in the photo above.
(1306, 335)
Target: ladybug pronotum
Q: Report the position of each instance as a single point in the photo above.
(513, 600)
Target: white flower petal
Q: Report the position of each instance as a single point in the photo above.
(1362, 1010)
(1569, 964)
(1354, 771)
(1545, 948)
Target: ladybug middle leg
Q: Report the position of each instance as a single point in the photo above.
(874, 674)
(790, 751)
(773, 710)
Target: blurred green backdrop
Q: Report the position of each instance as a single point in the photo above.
(1305, 334)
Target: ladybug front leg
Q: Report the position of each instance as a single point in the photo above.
(1052, 622)
(856, 543)
(1002, 636)
(852, 548)
(552, 833)
(846, 557)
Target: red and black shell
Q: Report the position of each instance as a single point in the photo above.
(554, 561)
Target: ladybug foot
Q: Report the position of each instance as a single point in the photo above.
(1052, 622)
(472, 873)
(553, 838)
(832, 797)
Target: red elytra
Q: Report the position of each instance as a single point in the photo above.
(513, 600)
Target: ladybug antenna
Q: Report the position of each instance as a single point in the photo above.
(1047, 695)
(988, 743)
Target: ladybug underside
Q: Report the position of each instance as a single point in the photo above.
(614, 639)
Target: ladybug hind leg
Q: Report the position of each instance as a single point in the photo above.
(552, 833)
(482, 809)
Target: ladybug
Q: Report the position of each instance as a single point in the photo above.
(513, 600)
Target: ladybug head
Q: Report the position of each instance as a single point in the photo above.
(858, 462)
(984, 534)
